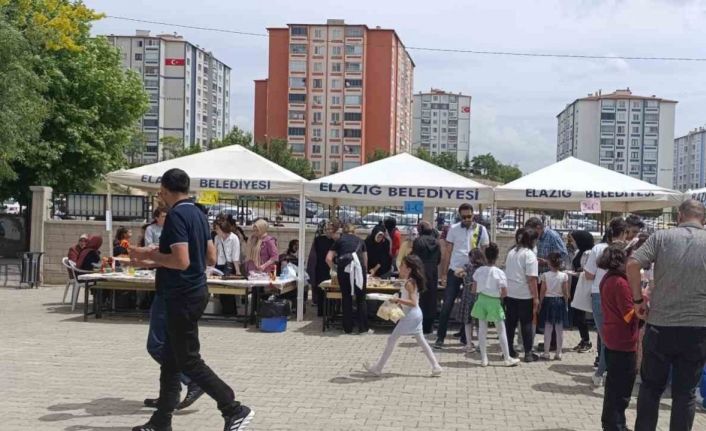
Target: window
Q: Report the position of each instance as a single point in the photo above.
(622, 116)
(621, 142)
(336, 51)
(650, 142)
(151, 70)
(607, 142)
(317, 100)
(335, 133)
(636, 130)
(351, 149)
(354, 32)
(635, 117)
(318, 33)
(138, 57)
(336, 34)
(353, 99)
(352, 133)
(352, 67)
(619, 167)
(634, 142)
(350, 164)
(622, 104)
(297, 48)
(316, 119)
(653, 104)
(318, 67)
(650, 155)
(334, 149)
(297, 66)
(607, 115)
(316, 149)
(319, 50)
(297, 98)
(652, 130)
(636, 104)
(297, 148)
(318, 83)
(335, 117)
(296, 131)
(336, 67)
(299, 31)
(621, 130)
(152, 82)
(634, 155)
(619, 155)
(152, 56)
(608, 103)
(335, 83)
(608, 130)
(296, 115)
(335, 100)
(354, 49)
(316, 166)
(334, 168)
(648, 117)
(606, 154)
(352, 116)
(148, 122)
(297, 82)
(354, 83)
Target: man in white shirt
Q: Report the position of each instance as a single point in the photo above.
(461, 239)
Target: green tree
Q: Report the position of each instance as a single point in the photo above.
(488, 167)
(236, 136)
(376, 155)
(278, 151)
(91, 104)
(136, 148)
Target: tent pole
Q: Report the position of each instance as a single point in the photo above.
(109, 214)
(300, 253)
(493, 218)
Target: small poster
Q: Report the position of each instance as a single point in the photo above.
(108, 221)
(413, 207)
(208, 197)
(591, 206)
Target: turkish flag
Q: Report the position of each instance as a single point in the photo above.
(466, 109)
(173, 61)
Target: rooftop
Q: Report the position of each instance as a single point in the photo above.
(623, 94)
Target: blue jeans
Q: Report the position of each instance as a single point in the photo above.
(158, 332)
(598, 318)
(453, 287)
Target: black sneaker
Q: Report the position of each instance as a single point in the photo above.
(531, 357)
(151, 403)
(438, 345)
(193, 393)
(240, 420)
(585, 347)
(149, 426)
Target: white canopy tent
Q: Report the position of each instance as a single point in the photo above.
(698, 194)
(233, 169)
(565, 184)
(395, 180)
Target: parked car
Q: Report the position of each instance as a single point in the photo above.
(371, 219)
(290, 207)
(508, 223)
(242, 215)
(343, 216)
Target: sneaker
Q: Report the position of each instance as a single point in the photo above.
(149, 426)
(585, 347)
(484, 362)
(436, 372)
(470, 349)
(557, 357)
(531, 357)
(578, 347)
(546, 356)
(595, 363)
(193, 393)
(597, 381)
(438, 345)
(151, 403)
(514, 354)
(458, 335)
(512, 362)
(240, 420)
(369, 368)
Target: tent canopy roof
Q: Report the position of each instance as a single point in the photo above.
(231, 169)
(564, 184)
(396, 179)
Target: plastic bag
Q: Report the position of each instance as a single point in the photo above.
(390, 311)
(582, 296)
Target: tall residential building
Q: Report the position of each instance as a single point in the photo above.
(442, 123)
(690, 160)
(188, 88)
(633, 135)
(336, 92)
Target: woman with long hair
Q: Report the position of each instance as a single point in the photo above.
(584, 242)
(121, 243)
(412, 271)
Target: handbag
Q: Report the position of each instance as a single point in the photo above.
(229, 267)
(582, 297)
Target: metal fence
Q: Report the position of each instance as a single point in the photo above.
(88, 206)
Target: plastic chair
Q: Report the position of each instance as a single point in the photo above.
(72, 282)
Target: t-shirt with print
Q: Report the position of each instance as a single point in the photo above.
(554, 280)
(592, 266)
(460, 238)
(520, 264)
(490, 280)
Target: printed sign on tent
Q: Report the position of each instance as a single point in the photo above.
(591, 206)
(413, 207)
(208, 197)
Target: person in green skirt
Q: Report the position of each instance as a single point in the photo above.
(490, 284)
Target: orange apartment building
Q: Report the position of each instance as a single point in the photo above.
(336, 93)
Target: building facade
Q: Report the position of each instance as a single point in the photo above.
(188, 88)
(633, 135)
(690, 161)
(442, 123)
(336, 92)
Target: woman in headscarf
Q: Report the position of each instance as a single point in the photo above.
(317, 268)
(262, 249)
(90, 254)
(583, 241)
(379, 257)
(429, 251)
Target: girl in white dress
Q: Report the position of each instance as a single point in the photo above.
(412, 270)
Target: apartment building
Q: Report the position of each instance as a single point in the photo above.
(336, 92)
(188, 88)
(442, 123)
(690, 160)
(630, 134)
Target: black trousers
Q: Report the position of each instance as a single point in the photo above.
(683, 349)
(518, 310)
(427, 302)
(347, 304)
(579, 318)
(622, 370)
(181, 354)
(453, 289)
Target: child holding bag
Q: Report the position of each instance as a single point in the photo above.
(490, 284)
(412, 270)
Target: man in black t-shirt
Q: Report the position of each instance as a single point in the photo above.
(341, 253)
(185, 248)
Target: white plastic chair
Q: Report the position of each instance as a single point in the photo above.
(72, 282)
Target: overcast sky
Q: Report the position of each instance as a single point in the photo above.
(515, 99)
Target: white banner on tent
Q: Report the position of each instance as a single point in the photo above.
(396, 193)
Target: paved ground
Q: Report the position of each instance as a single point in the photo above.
(59, 373)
